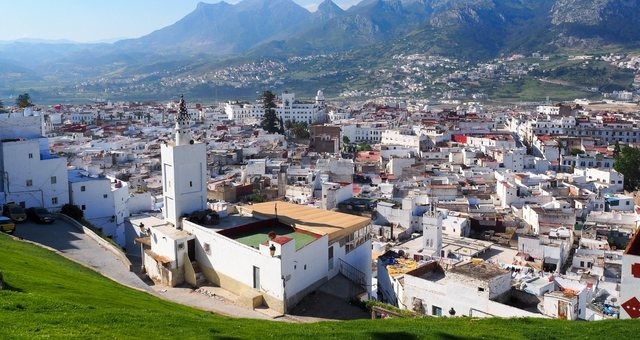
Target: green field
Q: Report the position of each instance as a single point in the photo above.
(49, 296)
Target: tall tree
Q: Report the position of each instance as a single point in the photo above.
(24, 100)
(616, 150)
(560, 146)
(270, 120)
(2, 110)
(628, 164)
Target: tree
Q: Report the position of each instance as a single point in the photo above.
(24, 100)
(560, 146)
(628, 164)
(300, 130)
(2, 110)
(269, 119)
(120, 115)
(364, 147)
(346, 144)
(616, 149)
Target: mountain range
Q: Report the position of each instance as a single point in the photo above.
(484, 27)
(250, 29)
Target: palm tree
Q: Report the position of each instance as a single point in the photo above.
(120, 115)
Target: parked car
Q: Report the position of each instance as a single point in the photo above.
(40, 215)
(15, 212)
(7, 225)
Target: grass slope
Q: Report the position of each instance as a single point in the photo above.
(50, 296)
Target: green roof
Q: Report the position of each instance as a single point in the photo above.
(255, 237)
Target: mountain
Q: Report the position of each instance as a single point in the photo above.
(476, 29)
(365, 37)
(599, 21)
(327, 10)
(223, 28)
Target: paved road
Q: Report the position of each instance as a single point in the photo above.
(74, 244)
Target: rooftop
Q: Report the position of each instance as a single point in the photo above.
(317, 221)
(480, 270)
(256, 233)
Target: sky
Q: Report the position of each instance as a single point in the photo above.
(99, 20)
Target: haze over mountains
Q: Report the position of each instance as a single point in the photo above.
(473, 29)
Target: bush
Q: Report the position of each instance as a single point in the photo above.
(72, 211)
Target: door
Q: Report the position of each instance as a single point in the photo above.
(256, 278)
(331, 258)
(191, 249)
(563, 308)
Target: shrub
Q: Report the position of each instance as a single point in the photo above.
(72, 211)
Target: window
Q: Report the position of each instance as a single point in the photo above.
(104, 196)
(436, 311)
(30, 155)
(29, 183)
(480, 289)
(207, 248)
(191, 184)
(83, 188)
(54, 180)
(84, 207)
(54, 200)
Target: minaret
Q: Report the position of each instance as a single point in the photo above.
(320, 98)
(432, 229)
(183, 133)
(184, 172)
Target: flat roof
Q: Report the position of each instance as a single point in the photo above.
(481, 270)
(318, 221)
(458, 245)
(260, 234)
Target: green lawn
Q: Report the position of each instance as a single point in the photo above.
(50, 296)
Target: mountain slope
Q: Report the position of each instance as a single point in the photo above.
(222, 28)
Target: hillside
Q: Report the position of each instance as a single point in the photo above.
(49, 296)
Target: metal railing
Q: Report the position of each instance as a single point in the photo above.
(352, 273)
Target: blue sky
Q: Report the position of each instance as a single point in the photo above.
(98, 20)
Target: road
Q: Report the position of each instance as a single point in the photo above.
(74, 244)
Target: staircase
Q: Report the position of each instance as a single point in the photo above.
(352, 273)
(200, 278)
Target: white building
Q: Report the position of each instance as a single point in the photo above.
(470, 289)
(288, 109)
(407, 139)
(31, 176)
(103, 202)
(432, 230)
(184, 168)
(310, 247)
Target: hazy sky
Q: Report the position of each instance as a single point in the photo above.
(99, 20)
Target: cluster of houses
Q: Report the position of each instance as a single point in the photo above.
(461, 211)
